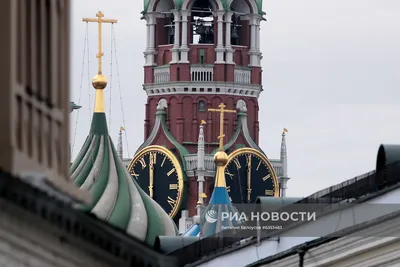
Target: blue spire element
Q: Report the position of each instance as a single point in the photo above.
(212, 220)
(194, 230)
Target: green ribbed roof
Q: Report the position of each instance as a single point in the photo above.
(117, 198)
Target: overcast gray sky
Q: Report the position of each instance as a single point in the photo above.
(331, 77)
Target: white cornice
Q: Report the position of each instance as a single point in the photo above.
(214, 88)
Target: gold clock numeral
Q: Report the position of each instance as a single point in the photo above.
(228, 189)
(249, 160)
(153, 157)
(171, 202)
(134, 174)
(173, 187)
(228, 173)
(266, 177)
(258, 166)
(171, 172)
(143, 162)
(162, 163)
(237, 163)
(269, 192)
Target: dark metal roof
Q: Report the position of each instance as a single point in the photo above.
(359, 188)
(326, 239)
(83, 226)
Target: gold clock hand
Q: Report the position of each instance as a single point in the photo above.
(151, 174)
(249, 178)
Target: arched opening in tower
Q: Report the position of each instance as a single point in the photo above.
(202, 21)
(239, 23)
(165, 27)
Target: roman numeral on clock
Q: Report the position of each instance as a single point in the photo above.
(153, 157)
(228, 173)
(266, 177)
(171, 202)
(143, 162)
(171, 172)
(228, 189)
(258, 166)
(134, 174)
(162, 163)
(237, 163)
(173, 187)
(269, 192)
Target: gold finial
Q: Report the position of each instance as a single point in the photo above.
(203, 122)
(221, 158)
(203, 195)
(99, 81)
(285, 131)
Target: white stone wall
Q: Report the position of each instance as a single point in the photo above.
(26, 240)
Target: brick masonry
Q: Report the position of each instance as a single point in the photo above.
(183, 118)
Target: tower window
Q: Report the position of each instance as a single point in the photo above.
(202, 23)
(202, 106)
(201, 56)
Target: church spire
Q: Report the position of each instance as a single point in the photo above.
(120, 148)
(200, 168)
(284, 153)
(283, 179)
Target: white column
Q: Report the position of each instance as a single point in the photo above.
(147, 36)
(220, 47)
(175, 49)
(151, 29)
(228, 46)
(253, 40)
(253, 34)
(258, 45)
(184, 47)
(258, 37)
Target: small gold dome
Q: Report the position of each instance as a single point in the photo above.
(99, 81)
(221, 158)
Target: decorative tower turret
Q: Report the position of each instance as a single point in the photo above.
(199, 54)
(200, 169)
(120, 147)
(283, 179)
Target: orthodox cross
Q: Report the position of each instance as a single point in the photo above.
(221, 110)
(100, 21)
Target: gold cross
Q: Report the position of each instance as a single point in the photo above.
(99, 20)
(221, 110)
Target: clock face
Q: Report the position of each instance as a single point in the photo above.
(159, 174)
(249, 175)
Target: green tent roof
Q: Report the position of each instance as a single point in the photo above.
(117, 198)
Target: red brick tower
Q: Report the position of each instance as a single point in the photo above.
(199, 54)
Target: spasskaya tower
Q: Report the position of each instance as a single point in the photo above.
(199, 54)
